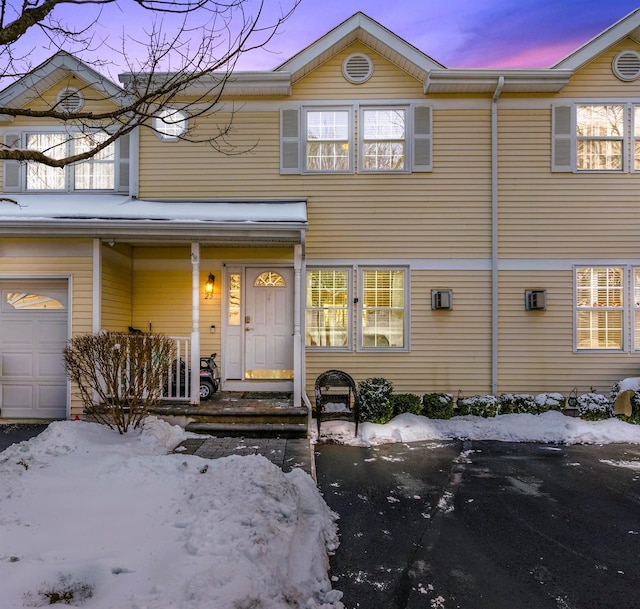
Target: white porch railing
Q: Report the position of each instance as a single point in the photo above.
(178, 386)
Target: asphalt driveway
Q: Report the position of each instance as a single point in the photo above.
(12, 433)
(485, 525)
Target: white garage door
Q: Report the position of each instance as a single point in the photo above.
(33, 335)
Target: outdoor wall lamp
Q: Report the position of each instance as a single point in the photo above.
(208, 287)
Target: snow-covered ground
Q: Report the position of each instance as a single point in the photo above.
(119, 522)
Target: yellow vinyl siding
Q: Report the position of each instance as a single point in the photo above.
(536, 347)
(449, 349)
(116, 288)
(388, 82)
(597, 80)
(558, 215)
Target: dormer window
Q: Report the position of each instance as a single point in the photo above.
(170, 124)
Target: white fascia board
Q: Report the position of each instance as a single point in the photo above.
(348, 27)
(250, 83)
(485, 81)
(26, 89)
(600, 43)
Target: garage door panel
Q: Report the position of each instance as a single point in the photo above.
(50, 365)
(51, 397)
(17, 365)
(51, 332)
(14, 332)
(16, 396)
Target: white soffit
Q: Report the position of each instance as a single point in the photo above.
(486, 81)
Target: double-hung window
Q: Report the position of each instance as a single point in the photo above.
(390, 138)
(106, 170)
(382, 301)
(328, 140)
(328, 309)
(383, 144)
(590, 137)
(600, 296)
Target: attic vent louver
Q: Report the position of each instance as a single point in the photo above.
(357, 68)
(70, 100)
(626, 65)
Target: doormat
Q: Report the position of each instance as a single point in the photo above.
(266, 395)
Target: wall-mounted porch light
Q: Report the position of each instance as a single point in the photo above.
(208, 287)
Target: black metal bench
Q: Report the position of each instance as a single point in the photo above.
(336, 398)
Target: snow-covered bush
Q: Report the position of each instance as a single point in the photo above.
(594, 406)
(406, 402)
(375, 400)
(479, 405)
(517, 403)
(550, 401)
(437, 405)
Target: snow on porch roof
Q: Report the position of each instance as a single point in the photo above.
(104, 215)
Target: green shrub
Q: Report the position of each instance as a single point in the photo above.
(406, 402)
(437, 405)
(375, 400)
(517, 403)
(594, 407)
(479, 405)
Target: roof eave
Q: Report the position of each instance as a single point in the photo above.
(485, 81)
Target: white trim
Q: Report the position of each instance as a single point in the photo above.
(96, 307)
(600, 43)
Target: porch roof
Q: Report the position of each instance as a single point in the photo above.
(123, 218)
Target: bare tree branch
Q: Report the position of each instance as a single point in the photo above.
(198, 55)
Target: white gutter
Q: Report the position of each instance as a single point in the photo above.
(494, 235)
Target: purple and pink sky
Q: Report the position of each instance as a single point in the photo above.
(456, 33)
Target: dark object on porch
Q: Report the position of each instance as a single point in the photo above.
(336, 398)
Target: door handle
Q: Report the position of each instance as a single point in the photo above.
(248, 329)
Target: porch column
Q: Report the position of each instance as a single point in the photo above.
(195, 324)
(298, 381)
(96, 305)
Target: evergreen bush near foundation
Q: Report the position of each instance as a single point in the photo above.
(406, 402)
(479, 405)
(594, 407)
(517, 403)
(437, 405)
(376, 405)
(635, 405)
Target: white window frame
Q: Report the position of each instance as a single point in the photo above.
(635, 309)
(350, 141)
(406, 310)
(170, 124)
(624, 310)
(565, 133)
(407, 137)
(635, 137)
(418, 137)
(348, 309)
(68, 171)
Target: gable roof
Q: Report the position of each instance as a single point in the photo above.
(51, 71)
(360, 27)
(627, 27)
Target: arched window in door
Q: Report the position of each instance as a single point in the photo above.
(270, 279)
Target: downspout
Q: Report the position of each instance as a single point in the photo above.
(195, 324)
(494, 235)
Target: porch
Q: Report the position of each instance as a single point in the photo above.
(250, 414)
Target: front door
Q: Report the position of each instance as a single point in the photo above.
(268, 323)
